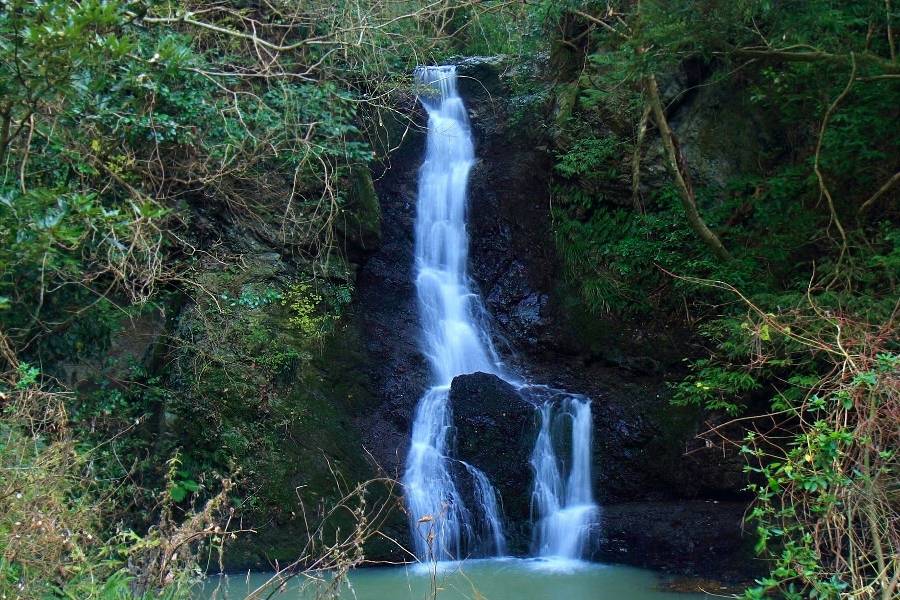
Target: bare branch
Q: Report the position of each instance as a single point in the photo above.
(675, 163)
(880, 192)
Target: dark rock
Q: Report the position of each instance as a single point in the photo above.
(480, 76)
(513, 257)
(645, 450)
(695, 538)
(360, 220)
(135, 343)
(386, 312)
(495, 432)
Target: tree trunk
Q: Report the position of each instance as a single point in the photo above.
(5, 121)
(676, 165)
(636, 161)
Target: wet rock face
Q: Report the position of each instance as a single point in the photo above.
(518, 310)
(513, 259)
(135, 343)
(646, 456)
(696, 538)
(495, 432)
(645, 450)
(387, 313)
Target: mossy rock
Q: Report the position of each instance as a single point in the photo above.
(360, 221)
(260, 394)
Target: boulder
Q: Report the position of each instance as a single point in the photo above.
(495, 432)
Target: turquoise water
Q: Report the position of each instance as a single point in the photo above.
(494, 579)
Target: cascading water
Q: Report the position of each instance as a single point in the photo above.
(486, 497)
(563, 503)
(444, 528)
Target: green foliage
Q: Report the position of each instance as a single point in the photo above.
(590, 156)
(822, 468)
(139, 157)
(621, 258)
(180, 484)
(715, 387)
(314, 312)
(792, 324)
(133, 145)
(53, 542)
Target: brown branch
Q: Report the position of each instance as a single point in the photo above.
(636, 160)
(186, 19)
(823, 187)
(890, 32)
(333, 38)
(815, 55)
(677, 167)
(881, 192)
(6, 135)
(6, 114)
(879, 77)
(600, 22)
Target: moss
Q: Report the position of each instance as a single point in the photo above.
(739, 141)
(564, 59)
(318, 447)
(566, 97)
(361, 219)
(629, 342)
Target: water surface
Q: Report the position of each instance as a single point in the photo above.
(488, 579)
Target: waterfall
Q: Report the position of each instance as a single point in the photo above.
(443, 527)
(562, 503)
(486, 498)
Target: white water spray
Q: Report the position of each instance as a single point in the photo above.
(562, 502)
(443, 527)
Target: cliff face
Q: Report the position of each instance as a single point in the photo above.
(646, 461)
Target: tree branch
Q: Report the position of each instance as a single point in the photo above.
(890, 32)
(599, 22)
(676, 166)
(881, 192)
(186, 19)
(6, 115)
(815, 55)
(636, 160)
(822, 185)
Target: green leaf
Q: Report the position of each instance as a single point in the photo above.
(189, 485)
(177, 493)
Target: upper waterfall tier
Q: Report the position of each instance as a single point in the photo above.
(453, 339)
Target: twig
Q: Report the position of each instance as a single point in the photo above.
(822, 185)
